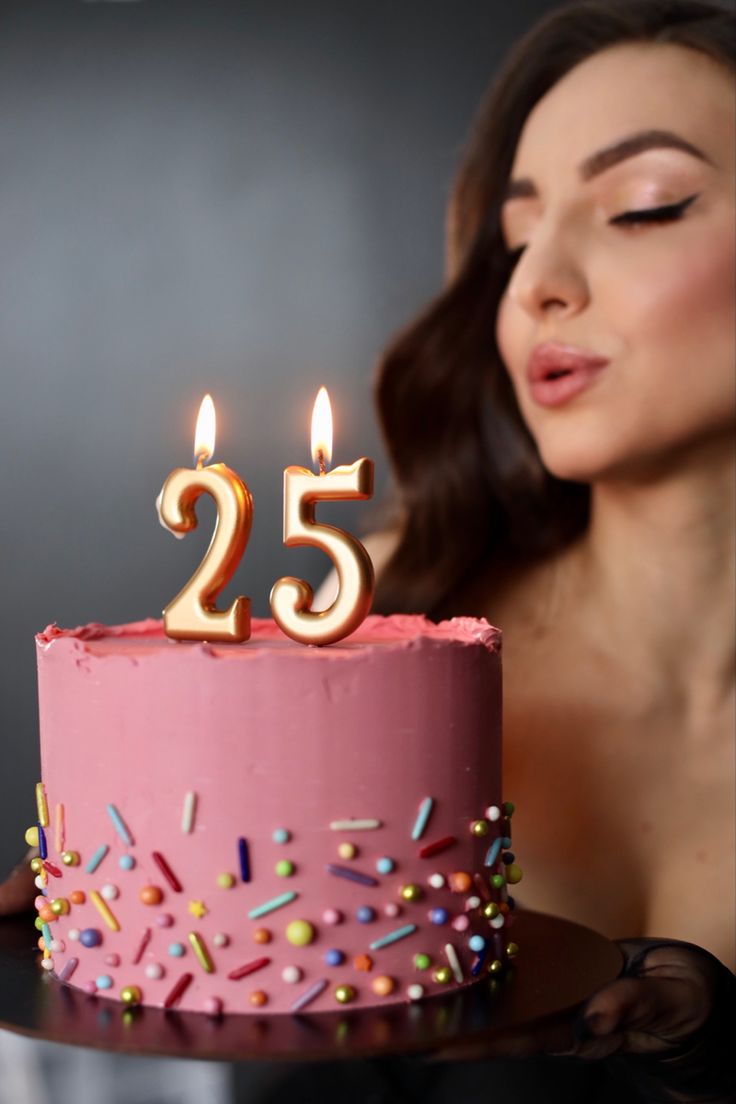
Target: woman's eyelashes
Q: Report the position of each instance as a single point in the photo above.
(669, 213)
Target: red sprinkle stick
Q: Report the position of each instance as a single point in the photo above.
(166, 870)
(430, 849)
(249, 968)
(179, 989)
(52, 869)
(145, 940)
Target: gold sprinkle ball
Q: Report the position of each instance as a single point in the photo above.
(225, 881)
(490, 911)
(32, 836)
(514, 873)
(60, 906)
(300, 933)
(344, 994)
(512, 950)
(442, 975)
(410, 892)
(258, 998)
(496, 967)
(347, 850)
(131, 994)
(70, 858)
(261, 935)
(383, 985)
(480, 827)
(36, 866)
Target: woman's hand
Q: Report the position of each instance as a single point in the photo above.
(18, 891)
(662, 1025)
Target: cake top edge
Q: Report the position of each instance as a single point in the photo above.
(396, 629)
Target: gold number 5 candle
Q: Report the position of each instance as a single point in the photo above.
(291, 599)
(192, 614)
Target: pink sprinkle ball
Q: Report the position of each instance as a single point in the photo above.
(90, 987)
(56, 946)
(213, 1006)
(112, 960)
(40, 901)
(391, 909)
(154, 971)
(461, 923)
(164, 919)
(332, 916)
(220, 939)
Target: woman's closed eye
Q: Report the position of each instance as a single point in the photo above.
(669, 213)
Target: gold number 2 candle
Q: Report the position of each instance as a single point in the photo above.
(291, 599)
(192, 614)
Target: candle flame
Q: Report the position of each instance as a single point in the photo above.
(204, 434)
(322, 429)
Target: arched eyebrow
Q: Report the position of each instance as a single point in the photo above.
(598, 162)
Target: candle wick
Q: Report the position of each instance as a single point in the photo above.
(200, 460)
(321, 462)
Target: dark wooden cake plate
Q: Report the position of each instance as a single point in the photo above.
(559, 966)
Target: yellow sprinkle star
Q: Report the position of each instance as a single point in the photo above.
(198, 909)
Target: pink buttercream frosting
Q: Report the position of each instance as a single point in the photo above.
(273, 747)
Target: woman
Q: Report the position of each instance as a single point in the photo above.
(560, 423)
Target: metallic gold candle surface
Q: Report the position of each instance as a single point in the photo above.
(291, 598)
(192, 614)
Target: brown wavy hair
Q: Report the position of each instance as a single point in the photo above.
(471, 488)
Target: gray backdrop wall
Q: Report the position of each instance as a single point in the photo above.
(245, 198)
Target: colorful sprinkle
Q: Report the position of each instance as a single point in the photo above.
(284, 868)
(383, 985)
(347, 850)
(60, 827)
(59, 906)
(42, 805)
(351, 875)
(151, 895)
(392, 910)
(461, 923)
(145, 940)
(112, 960)
(454, 961)
(364, 825)
(422, 961)
(131, 994)
(197, 908)
(31, 836)
(248, 968)
(262, 935)
(200, 949)
(477, 943)
(437, 880)
(363, 962)
(514, 874)
(385, 865)
(220, 939)
(104, 910)
(97, 858)
(508, 808)
(89, 937)
(51, 868)
(423, 815)
(189, 812)
(365, 914)
(334, 957)
(434, 848)
(165, 920)
(243, 859)
(411, 892)
(332, 916)
(492, 853)
(415, 991)
(68, 969)
(291, 975)
(344, 994)
(104, 981)
(178, 991)
(512, 950)
(393, 937)
(213, 1006)
(154, 971)
(442, 975)
(120, 826)
(498, 921)
(110, 892)
(300, 933)
(258, 998)
(281, 835)
(73, 934)
(309, 995)
(272, 905)
(225, 880)
(177, 950)
(166, 870)
(438, 916)
(480, 828)
(493, 812)
(42, 845)
(478, 964)
(126, 862)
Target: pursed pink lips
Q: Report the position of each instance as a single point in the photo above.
(557, 372)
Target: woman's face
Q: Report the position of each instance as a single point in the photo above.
(656, 298)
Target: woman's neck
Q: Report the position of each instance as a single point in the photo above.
(655, 577)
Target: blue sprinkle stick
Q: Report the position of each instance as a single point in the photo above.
(493, 853)
(244, 859)
(351, 875)
(425, 811)
(120, 826)
(309, 995)
(478, 964)
(97, 858)
(42, 847)
(393, 937)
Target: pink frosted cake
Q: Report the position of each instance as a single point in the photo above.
(268, 827)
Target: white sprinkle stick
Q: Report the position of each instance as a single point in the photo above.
(189, 812)
(354, 825)
(425, 811)
(457, 970)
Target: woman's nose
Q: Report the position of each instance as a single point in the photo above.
(548, 278)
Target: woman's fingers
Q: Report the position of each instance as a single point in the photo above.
(18, 891)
